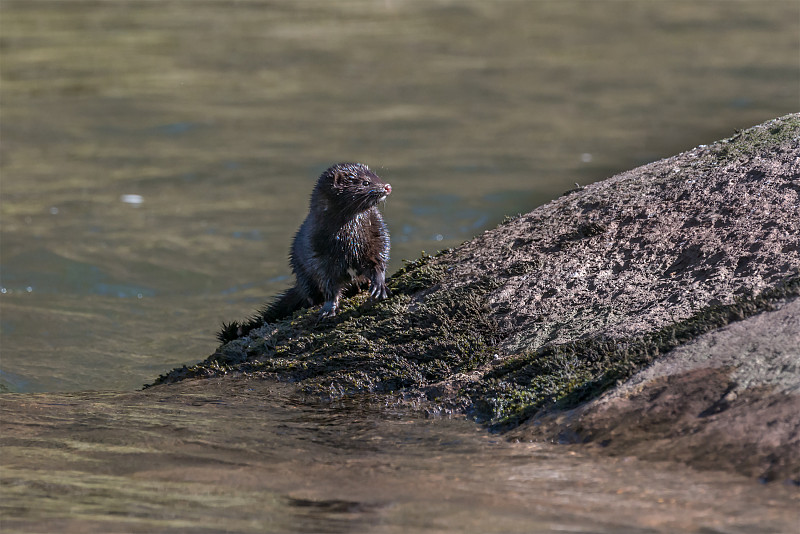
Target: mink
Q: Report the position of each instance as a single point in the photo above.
(342, 243)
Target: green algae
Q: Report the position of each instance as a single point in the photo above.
(753, 140)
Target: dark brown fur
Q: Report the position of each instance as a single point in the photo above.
(342, 241)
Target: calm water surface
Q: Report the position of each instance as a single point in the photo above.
(156, 159)
(217, 456)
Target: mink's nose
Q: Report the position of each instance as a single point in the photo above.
(387, 189)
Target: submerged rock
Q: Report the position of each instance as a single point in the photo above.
(530, 323)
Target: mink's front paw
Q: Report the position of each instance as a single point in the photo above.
(379, 292)
(377, 285)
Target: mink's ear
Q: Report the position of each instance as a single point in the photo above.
(338, 180)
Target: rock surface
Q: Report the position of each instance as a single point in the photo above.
(529, 322)
(729, 399)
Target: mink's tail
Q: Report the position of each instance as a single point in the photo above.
(283, 306)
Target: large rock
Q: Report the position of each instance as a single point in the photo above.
(554, 308)
(728, 399)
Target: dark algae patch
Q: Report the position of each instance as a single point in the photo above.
(554, 309)
(400, 344)
(770, 136)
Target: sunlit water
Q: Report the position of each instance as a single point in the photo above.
(156, 159)
(218, 456)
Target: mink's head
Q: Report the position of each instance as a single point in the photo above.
(349, 188)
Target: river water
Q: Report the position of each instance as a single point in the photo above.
(156, 158)
(237, 456)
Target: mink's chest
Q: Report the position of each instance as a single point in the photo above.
(353, 242)
(347, 247)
